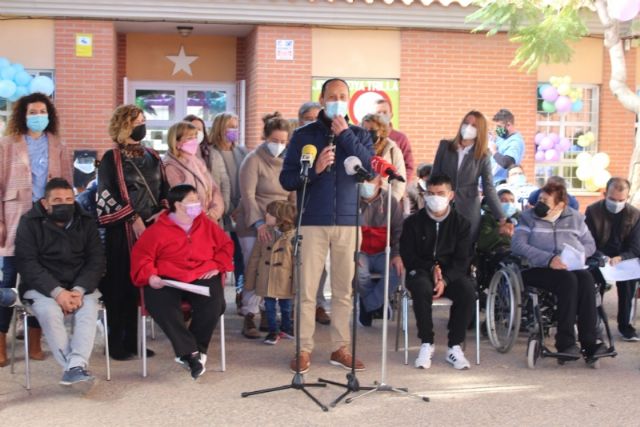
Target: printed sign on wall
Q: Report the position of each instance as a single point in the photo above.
(84, 45)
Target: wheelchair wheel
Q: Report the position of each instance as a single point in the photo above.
(533, 353)
(504, 309)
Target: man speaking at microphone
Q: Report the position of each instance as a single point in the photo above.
(328, 217)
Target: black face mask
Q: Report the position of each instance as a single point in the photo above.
(540, 209)
(502, 132)
(374, 135)
(61, 213)
(138, 132)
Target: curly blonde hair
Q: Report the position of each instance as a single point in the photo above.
(285, 214)
(383, 130)
(121, 123)
(175, 134)
(217, 136)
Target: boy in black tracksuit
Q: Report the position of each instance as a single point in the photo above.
(435, 245)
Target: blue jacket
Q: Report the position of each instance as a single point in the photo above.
(331, 197)
(512, 146)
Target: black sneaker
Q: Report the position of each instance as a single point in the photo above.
(272, 338)
(571, 352)
(365, 317)
(630, 336)
(195, 365)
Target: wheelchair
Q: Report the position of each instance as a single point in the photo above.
(513, 307)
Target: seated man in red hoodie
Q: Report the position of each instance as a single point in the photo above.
(373, 206)
(186, 246)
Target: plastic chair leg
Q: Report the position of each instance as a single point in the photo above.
(14, 333)
(27, 361)
(223, 359)
(143, 340)
(477, 331)
(106, 342)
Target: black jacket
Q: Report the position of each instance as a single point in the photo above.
(49, 256)
(453, 245)
(600, 222)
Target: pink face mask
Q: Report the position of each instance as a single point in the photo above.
(193, 209)
(190, 146)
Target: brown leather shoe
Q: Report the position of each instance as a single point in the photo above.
(35, 350)
(322, 317)
(343, 358)
(249, 329)
(3, 350)
(305, 363)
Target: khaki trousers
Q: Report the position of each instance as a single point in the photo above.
(340, 242)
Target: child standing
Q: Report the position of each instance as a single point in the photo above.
(271, 269)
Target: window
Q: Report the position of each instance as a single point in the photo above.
(571, 126)
(5, 105)
(165, 103)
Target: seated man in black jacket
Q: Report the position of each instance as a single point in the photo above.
(435, 245)
(60, 261)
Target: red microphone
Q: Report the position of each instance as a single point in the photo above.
(384, 168)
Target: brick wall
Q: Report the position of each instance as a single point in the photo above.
(121, 67)
(275, 85)
(85, 87)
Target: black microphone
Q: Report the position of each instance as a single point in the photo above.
(353, 166)
(332, 144)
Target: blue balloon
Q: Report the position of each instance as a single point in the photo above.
(4, 62)
(42, 84)
(577, 105)
(542, 88)
(22, 78)
(7, 73)
(18, 67)
(7, 88)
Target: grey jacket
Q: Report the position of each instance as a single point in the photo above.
(465, 183)
(539, 241)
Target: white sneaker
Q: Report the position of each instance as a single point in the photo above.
(424, 357)
(185, 365)
(203, 359)
(455, 356)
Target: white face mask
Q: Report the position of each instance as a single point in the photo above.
(436, 203)
(275, 148)
(613, 206)
(468, 131)
(200, 136)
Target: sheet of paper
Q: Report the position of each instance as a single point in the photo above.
(196, 289)
(625, 270)
(572, 258)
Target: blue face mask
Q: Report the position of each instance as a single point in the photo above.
(518, 180)
(367, 190)
(509, 209)
(336, 108)
(37, 122)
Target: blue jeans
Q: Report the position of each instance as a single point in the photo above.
(238, 262)
(285, 314)
(372, 290)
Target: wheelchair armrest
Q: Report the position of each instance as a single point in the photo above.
(595, 261)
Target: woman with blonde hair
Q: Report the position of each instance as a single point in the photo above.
(132, 191)
(379, 129)
(466, 159)
(183, 166)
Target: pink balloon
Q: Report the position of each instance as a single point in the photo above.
(551, 155)
(554, 138)
(563, 104)
(549, 93)
(624, 10)
(546, 143)
(540, 156)
(539, 137)
(563, 145)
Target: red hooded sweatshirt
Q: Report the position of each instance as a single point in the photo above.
(166, 250)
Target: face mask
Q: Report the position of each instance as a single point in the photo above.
(190, 146)
(61, 213)
(541, 210)
(37, 122)
(367, 190)
(374, 136)
(509, 209)
(436, 203)
(336, 108)
(502, 132)
(200, 136)
(468, 131)
(518, 180)
(275, 148)
(138, 133)
(193, 210)
(232, 134)
(613, 206)
(85, 165)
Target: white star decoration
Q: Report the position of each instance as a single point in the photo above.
(182, 62)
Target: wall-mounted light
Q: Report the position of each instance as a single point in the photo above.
(184, 31)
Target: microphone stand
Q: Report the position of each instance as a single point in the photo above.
(382, 384)
(297, 383)
(352, 384)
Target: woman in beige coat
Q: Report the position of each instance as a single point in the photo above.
(31, 153)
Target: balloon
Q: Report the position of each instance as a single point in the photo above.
(549, 93)
(7, 73)
(564, 89)
(42, 84)
(555, 81)
(7, 88)
(22, 78)
(4, 62)
(546, 143)
(590, 185)
(563, 145)
(589, 136)
(551, 155)
(600, 178)
(554, 138)
(583, 141)
(576, 106)
(566, 80)
(539, 137)
(21, 91)
(584, 159)
(540, 156)
(563, 104)
(623, 10)
(18, 67)
(583, 173)
(600, 161)
(548, 107)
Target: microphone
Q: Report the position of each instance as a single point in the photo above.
(353, 166)
(307, 158)
(384, 168)
(332, 144)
